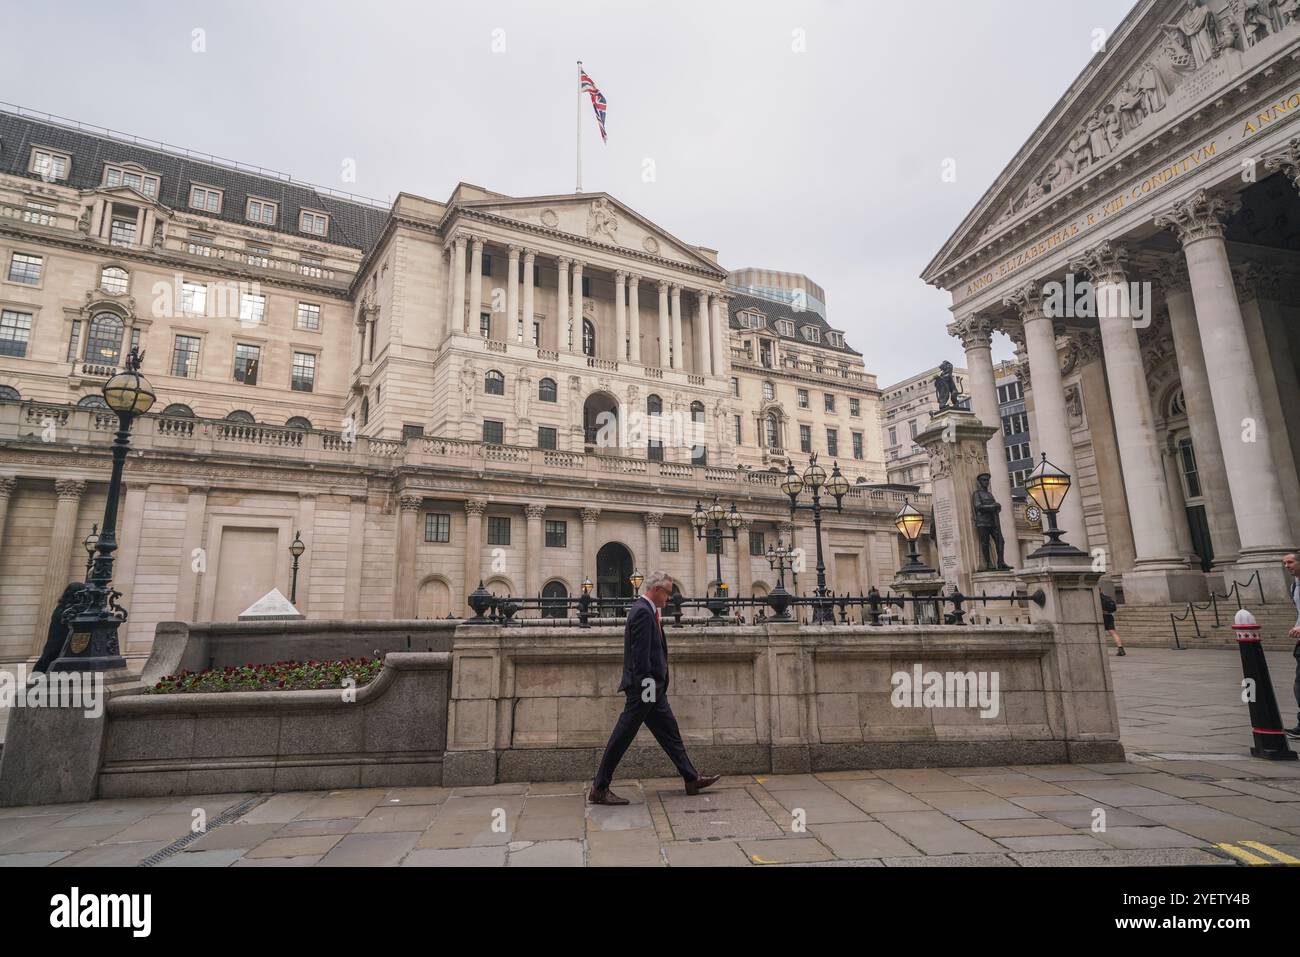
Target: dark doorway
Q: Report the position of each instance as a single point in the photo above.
(1200, 528)
(555, 600)
(614, 572)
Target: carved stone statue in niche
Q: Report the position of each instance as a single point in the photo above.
(986, 510)
(523, 393)
(468, 383)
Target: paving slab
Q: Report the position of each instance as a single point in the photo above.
(862, 839)
(627, 848)
(59, 839)
(1011, 784)
(337, 804)
(706, 854)
(312, 828)
(33, 859)
(924, 780)
(306, 860)
(1114, 817)
(1275, 791)
(877, 796)
(281, 808)
(406, 796)
(204, 859)
(1147, 837)
(234, 837)
(1020, 827)
(789, 850)
(375, 849)
(935, 833)
(1053, 842)
(1121, 794)
(415, 817)
(112, 855)
(951, 860)
(1256, 809)
(604, 818)
(457, 857)
(822, 806)
(316, 845)
(1170, 857)
(548, 854)
(1212, 825)
(972, 805)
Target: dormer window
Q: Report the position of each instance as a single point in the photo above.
(133, 177)
(318, 224)
(812, 333)
(49, 165)
(785, 327)
(751, 320)
(261, 211)
(205, 199)
(836, 339)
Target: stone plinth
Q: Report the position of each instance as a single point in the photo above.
(957, 444)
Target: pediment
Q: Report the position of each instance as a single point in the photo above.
(598, 218)
(1167, 59)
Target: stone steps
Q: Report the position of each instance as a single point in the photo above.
(1148, 626)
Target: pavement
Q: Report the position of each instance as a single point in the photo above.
(1189, 794)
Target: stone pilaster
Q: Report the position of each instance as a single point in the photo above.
(534, 543)
(563, 331)
(408, 530)
(576, 306)
(590, 516)
(7, 487)
(704, 334)
(59, 558)
(456, 317)
(474, 509)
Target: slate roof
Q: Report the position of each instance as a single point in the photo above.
(351, 223)
(775, 310)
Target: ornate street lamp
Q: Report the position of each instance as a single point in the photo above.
(93, 621)
(637, 581)
(836, 485)
(716, 516)
(584, 604)
(779, 558)
(909, 522)
(296, 548)
(89, 543)
(1047, 486)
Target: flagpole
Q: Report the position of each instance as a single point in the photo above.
(579, 128)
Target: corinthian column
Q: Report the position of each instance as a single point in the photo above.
(744, 563)
(1238, 407)
(634, 317)
(679, 360)
(59, 557)
(976, 335)
(456, 315)
(665, 330)
(513, 328)
(1052, 424)
(475, 285)
(718, 329)
(534, 543)
(650, 556)
(1210, 471)
(620, 316)
(563, 335)
(408, 530)
(576, 323)
(530, 267)
(704, 334)
(590, 516)
(474, 509)
(1158, 561)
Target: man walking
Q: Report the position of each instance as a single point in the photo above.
(1292, 565)
(645, 683)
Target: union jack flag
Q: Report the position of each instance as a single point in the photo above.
(588, 86)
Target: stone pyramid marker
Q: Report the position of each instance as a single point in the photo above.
(272, 606)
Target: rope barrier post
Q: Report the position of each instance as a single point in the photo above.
(1265, 719)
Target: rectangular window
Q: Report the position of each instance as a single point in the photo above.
(855, 408)
(667, 539)
(832, 442)
(15, 330)
(546, 437)
(437, 527)
(74, 343)
(247, 359)
(50, 166)
(494, 432)
(487, 264)
(185, 357)
(735, 386)
(39, 213)
(412, 431)
(1187, 455)
(830, 402)
(537, 333)
(805, 438)
(194, 298)
(308, 316)
(912, 425)
(586, 286)
(116, 176)
(756, 544)
(740, 433)
(655, 450)
(261, 211)
(557, 534)
(199, 245)
(803, 399)
(252, 308)
(122, 232)
(498, 530)
(207, 200)
(893, 435)
(26, 269)
(304, 372)
(318, 224)
(857, 445)
(258, 255)
(485, 325)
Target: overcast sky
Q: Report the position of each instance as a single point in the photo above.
(804, 136)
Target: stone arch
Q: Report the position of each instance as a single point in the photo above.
(433, 598)
(500, 585)
(558, 589)
(615, 563)
(601, 419)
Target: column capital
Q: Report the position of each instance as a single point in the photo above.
(534, 512)
(590, 516)
(1287, 161)
(577, 264)
(653, 519)
(529, 254)
(664, 285)
(475, 507)
(514, 250)
(563, 262)
(1253, 281)
(1203, 215)
(477, 241)
(1106, 262)
(974, 331)
(412, 503)
(746, 524)
(675, 288)
(1028, 303)
(69, 489)
(633, 278)
(1171, 275)
(620, 277)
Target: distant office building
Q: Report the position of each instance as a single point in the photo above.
(1015, 425)
(791, 288)
(905, 410)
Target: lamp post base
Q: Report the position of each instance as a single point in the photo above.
(91, 646)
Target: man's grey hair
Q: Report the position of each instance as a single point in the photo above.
(655, 580)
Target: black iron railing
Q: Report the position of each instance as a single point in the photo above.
(1234, 593)
(873, 608)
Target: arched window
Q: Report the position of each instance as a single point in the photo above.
(92, 402)
(113, 280)
(654, 405)
(494, 383)
(546, 391)
(769, 392)
(298, 422)
(179, 409)
(588, 338)
(1177, 404)
(699, 452)
(239, 415)
(9, 392)
(772, 430)
(365, 409)
(104, 344)
(557, 607)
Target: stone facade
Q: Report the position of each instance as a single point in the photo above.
(521, 391)
(1141, 253)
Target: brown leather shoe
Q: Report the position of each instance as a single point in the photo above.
(604, 796)
(702, 782)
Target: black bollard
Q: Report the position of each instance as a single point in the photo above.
(1265, 719)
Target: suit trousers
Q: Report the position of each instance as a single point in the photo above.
(658, 717)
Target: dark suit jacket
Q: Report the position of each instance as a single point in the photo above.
(645, 651)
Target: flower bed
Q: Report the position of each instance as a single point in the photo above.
(279, 676)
